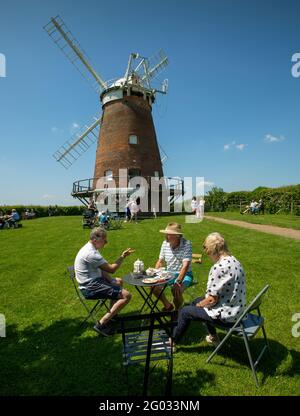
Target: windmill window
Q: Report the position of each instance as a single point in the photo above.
(133, 139)
(134, 172)
(108, 175)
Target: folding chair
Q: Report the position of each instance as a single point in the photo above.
(247, 326)
(149, 339)
(97, 306)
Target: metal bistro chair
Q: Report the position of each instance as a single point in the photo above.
(247, 326)
(148, 339)
(97, 306)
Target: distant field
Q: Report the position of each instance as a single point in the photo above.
(288, 221)
(47, 353)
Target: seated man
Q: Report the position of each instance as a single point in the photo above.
(176, 252)
(92, 273)
(13, 218)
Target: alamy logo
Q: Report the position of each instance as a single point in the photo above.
(296, 327)
(296, 67)
(2, 66)
(2, 326)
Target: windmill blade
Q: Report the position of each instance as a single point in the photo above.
(68, 44)
(79, 143)
(155, 65)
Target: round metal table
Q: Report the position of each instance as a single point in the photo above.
(135, 279)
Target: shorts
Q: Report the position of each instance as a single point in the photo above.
(187, 280)
(101, 289)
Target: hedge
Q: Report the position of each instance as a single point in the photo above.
(43, 211)
(286, 199)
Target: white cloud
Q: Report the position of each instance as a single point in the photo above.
(269, 138)
(54, 129)
(240, 146)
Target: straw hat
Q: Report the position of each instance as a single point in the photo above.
(172, 228)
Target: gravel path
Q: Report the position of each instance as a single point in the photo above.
(271, 229)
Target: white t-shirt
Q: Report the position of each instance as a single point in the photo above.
(227, 281)
(87, 265)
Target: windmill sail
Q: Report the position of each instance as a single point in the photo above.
(68, 44)
(155, 65)
(79, 143)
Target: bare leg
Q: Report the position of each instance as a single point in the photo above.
(117, 306)
(178, 295)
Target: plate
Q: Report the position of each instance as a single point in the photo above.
(156, 279)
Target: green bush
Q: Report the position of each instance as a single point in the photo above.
(42, 211)
(285, 198)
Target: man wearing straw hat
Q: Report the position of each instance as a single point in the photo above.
(176, 253)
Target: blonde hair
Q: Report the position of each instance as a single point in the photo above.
(216, 245)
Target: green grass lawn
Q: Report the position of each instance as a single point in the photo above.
(279, 220)
(45, 352)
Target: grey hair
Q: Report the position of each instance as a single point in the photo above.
(98, 233)
(216, 244)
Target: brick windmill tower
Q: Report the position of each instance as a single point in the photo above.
(127, 145)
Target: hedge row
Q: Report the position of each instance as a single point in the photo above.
(42, 211)
(285, 198)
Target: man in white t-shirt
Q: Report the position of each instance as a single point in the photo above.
(92, 274)
(176, 254)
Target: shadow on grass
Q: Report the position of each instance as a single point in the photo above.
(66, 359)
(280, 361)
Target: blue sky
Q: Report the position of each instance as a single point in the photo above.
(231, 113)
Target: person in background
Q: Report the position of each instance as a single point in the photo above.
(225, 297)
(194, 205)
(200, 208)
(103, 219)
(261, 207)
(13, 218)
(134, 209)
(127, 211)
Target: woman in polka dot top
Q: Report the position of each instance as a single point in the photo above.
(225, 297)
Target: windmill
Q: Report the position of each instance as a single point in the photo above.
(127, 146)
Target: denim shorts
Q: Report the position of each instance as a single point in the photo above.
(187, 280)
(101, 289)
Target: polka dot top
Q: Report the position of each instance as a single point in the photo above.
(227, 281)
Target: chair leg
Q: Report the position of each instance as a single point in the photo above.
(250, 359)
(169, 381)
(219, 346)
(90, 314)
(266, 339)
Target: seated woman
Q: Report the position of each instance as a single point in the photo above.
(225, 297)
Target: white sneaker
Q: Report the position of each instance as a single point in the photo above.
(212, 340)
